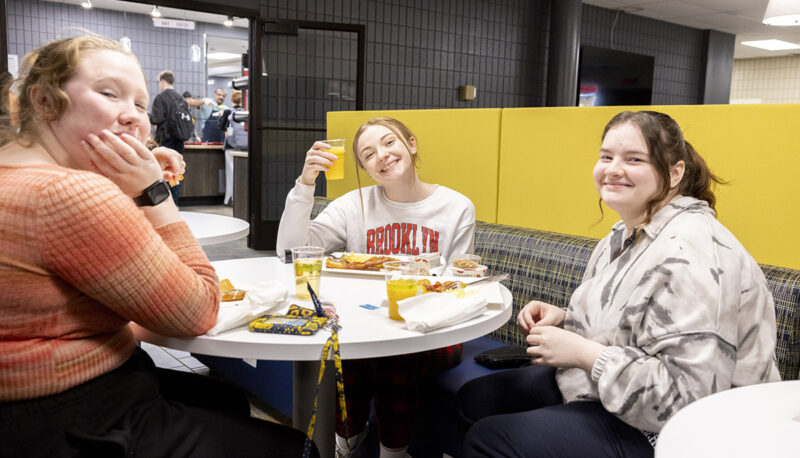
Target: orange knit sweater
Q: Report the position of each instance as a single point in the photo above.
(78, 262)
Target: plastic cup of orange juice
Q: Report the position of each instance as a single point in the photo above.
(402, 282)
(336, 172)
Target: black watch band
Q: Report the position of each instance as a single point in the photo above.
(153, 194)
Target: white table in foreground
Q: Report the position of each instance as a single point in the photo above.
(210, 229)
(365, 333)
(750, 421)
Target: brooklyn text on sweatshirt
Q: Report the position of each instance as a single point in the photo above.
(401, 238)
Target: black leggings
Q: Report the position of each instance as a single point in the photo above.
(140, 411)
(520, 413)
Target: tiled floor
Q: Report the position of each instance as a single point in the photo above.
(183, 361)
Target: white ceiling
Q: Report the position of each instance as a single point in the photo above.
(230, 67)
(739, 17)
(145, 8)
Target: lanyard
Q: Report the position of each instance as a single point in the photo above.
(331, 343)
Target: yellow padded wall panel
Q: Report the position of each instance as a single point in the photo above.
(458, 149)
(547, 155)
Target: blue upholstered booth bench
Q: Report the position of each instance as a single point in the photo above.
(543, 266)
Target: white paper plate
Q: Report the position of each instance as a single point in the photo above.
(433, 270)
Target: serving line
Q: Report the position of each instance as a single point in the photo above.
(365, 333)
(210, 229)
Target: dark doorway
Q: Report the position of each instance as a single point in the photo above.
(307, 70)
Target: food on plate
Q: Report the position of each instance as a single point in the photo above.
(439, 287)
(355, 261)
(225, 285)
(465, 264)
(229, 293)
(233, 295)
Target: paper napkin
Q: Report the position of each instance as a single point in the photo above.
(436, 310)
(266, 297)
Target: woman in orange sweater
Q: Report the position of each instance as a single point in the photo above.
(90, 241)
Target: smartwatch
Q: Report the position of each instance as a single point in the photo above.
(153, 194)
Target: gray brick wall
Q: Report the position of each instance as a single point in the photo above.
(678, 50)
(420, 52)
(32, 23)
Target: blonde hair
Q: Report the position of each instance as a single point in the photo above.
(48, 69)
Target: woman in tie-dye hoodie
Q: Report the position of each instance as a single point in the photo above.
(672, 308)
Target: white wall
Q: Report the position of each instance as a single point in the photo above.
(766, 80)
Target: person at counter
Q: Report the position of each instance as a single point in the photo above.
(672, 308)
(90, 241)
(212, 113)
(194, 110)
(438, 219)
(235, 140)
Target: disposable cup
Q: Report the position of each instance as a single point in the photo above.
(336, 172)
(307, 262)
(402, 282)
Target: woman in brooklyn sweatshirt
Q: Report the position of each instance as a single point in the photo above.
(401, 215)
(671, 308)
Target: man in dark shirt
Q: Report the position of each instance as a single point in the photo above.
(163, 115)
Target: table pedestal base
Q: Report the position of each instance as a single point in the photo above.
(304, 385)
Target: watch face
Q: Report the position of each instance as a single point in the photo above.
(160, 193)
(154, 194)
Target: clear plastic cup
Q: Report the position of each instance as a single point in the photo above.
(307, 262)
(336, 172)
(402, 282)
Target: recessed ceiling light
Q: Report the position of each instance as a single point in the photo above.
(772, 45)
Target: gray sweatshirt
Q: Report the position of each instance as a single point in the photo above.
(684, 310)
(444, 223)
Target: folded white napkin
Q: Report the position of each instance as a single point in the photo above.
(436, 310)
(265, 297)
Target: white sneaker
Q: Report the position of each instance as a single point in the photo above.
(346, 447)
(394, 452)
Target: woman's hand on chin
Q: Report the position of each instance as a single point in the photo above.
(124, 160)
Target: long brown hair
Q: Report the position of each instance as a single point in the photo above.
(49, 68)
(666, 146)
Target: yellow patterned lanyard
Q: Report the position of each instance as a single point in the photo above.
(332, 342)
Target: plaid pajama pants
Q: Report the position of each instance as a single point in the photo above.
(394, 382)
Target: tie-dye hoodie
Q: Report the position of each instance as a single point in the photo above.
(684, 310)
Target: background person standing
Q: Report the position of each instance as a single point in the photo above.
(211, 116)
(235, 139)
(170, 115)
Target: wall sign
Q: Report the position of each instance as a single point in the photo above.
(173, 23)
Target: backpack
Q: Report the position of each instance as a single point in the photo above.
(180, 123)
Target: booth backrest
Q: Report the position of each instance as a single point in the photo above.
(548, 266)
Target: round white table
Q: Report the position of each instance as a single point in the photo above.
(750, 421)
(210, 229)
(365, 333)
